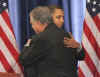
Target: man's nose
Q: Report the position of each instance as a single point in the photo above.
(62, 19)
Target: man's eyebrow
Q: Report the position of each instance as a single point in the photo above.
(60, 15)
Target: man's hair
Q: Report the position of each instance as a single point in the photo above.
(42, 14)
(53, 7)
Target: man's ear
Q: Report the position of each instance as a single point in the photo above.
(31, 19)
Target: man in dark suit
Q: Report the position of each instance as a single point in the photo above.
(69, 41)
(58, 19)
(45, 55)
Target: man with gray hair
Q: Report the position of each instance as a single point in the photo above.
(40, 17)
(45, 55)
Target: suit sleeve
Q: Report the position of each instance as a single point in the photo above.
(35, 52)
(80, 55)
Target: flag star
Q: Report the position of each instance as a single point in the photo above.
(94, 2)
(93, 9)
(4, 4)
(88, 1)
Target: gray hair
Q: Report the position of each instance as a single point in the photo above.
(42, 14)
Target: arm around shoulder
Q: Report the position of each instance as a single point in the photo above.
(35, 52)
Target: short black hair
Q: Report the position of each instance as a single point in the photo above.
(53, 7)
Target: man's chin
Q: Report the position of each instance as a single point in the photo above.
(60, 26)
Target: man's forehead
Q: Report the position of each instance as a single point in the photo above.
(59, 11)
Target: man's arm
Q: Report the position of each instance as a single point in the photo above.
(34, 52)
(72, 43)
(81, 54)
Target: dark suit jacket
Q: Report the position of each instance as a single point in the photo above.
(47, 57)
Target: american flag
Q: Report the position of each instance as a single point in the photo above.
(90, 67)
(8, 50)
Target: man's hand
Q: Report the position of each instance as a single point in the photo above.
(70, 42)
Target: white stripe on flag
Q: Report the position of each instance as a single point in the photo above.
(91, 52)
(2, 69)
(8, 32)
(86, 71)
(92, 27)
(9, 57)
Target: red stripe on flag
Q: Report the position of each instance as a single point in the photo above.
(5, 63)
(11, 48)
(91, 39)
(90, 63)
(80, 73)
(9, 45)
(92, 32)
(97, 22)
(7, 20)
